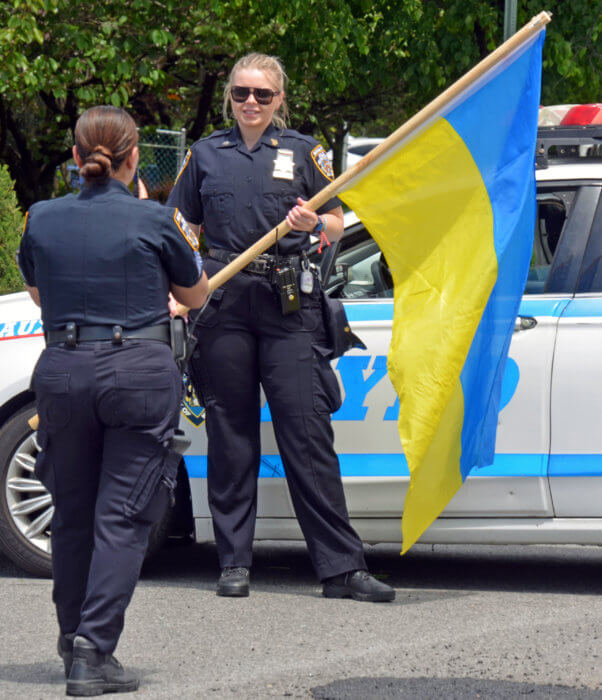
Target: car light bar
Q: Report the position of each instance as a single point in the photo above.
(568, 144)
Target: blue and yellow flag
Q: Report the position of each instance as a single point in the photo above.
(452, 207)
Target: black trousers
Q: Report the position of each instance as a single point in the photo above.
(106, 415)
(244, 340)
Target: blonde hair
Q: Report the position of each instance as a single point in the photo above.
(274, 70)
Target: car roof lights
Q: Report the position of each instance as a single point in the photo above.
(583, 115)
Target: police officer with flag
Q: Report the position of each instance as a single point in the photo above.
(265, 327)
(101, 265)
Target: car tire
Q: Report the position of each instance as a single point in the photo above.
(23, 499)
(26, 507)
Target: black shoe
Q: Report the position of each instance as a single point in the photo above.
(95, 673)
(233, 581)
(359, 585)
(64, 646)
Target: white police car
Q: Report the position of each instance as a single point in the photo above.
(545, 485)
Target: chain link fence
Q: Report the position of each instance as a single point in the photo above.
(161, 154)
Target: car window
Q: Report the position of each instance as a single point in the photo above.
(357, 269)
(568, 259)
(591, 271)
(360, 270)
(552, 213)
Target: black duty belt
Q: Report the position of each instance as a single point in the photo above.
(261, 265)
(73, 334)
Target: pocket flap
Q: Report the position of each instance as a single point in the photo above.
(52, 383)
(144, 379)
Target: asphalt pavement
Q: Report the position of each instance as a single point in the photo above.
(468, 622)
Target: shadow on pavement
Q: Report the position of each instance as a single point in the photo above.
(285, 567)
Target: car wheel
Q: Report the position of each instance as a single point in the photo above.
(26, 506)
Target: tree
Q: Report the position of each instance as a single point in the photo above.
(11, 226)
(353, 64)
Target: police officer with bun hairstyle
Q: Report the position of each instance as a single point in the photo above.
(101, 265)
(239, 184)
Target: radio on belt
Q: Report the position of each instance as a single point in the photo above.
(285, 281)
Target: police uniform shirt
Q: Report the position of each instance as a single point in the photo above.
(103, 257)
(239, 195)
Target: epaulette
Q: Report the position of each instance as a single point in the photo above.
(291, 133)
(215, 134)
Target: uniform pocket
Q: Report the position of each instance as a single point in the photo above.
(153, 490)
(143, 397)
(147, 501)
(53, 400)
(278, 199)
(326, 389)
(309, 315)
(43, 469)
(217, 197)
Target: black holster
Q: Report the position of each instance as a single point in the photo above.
(179, 341)
(340, 336)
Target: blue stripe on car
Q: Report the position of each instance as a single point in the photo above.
(395, 465)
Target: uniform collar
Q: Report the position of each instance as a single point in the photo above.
(231, 138)
(270, 137)
(110, 185)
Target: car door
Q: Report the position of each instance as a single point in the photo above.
(575, 467)
(519, 476)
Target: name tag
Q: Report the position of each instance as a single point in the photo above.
(283, 165)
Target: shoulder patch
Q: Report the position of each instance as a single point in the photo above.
(185, 230)
(319, 157)
(183, 166)
(25, 222)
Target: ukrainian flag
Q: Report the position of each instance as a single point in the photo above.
(452, 206)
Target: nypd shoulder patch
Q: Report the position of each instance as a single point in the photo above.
(322, 162)
(185, 230)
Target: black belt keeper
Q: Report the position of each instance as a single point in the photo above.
(72, 334)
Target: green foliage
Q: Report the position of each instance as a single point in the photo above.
(11, 227)
(573, 50)
(354, 64)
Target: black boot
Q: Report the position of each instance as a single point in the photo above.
(64, 646)
(234, 581)
(95, 673)
(359, 585)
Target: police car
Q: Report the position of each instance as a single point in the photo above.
(545, 485)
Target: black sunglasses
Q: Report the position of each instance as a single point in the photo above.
(263, 96)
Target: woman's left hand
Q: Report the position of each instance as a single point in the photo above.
(173, 306)
(301, 219)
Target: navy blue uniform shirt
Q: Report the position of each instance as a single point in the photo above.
(103, 257)
(239, 195)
